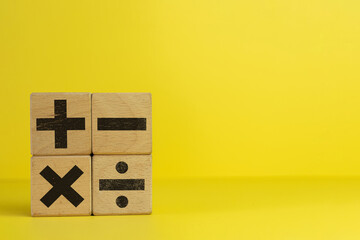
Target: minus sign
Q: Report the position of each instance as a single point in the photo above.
(121, 184)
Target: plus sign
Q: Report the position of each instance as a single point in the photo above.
(60, 124)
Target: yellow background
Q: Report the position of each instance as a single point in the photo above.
(256, 110)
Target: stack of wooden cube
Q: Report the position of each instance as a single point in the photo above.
(91, 154)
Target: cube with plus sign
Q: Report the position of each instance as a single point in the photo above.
(121, 123)
(60, 123)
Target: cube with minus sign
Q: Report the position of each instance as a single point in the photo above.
(121, 123)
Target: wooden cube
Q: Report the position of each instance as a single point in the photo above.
(60, 123)
(122, 184)
(60, 185)
(121, 123)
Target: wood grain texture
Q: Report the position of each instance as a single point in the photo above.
(122, 105)
(42, 106)
(138, 167)
(61, 165)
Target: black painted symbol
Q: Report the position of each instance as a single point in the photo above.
(122, 201)
(121, 184)
(121, 167)
(121, 124)
(60, 124)
(61, 186)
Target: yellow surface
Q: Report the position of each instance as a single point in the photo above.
(240, 88)
(243, 208)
